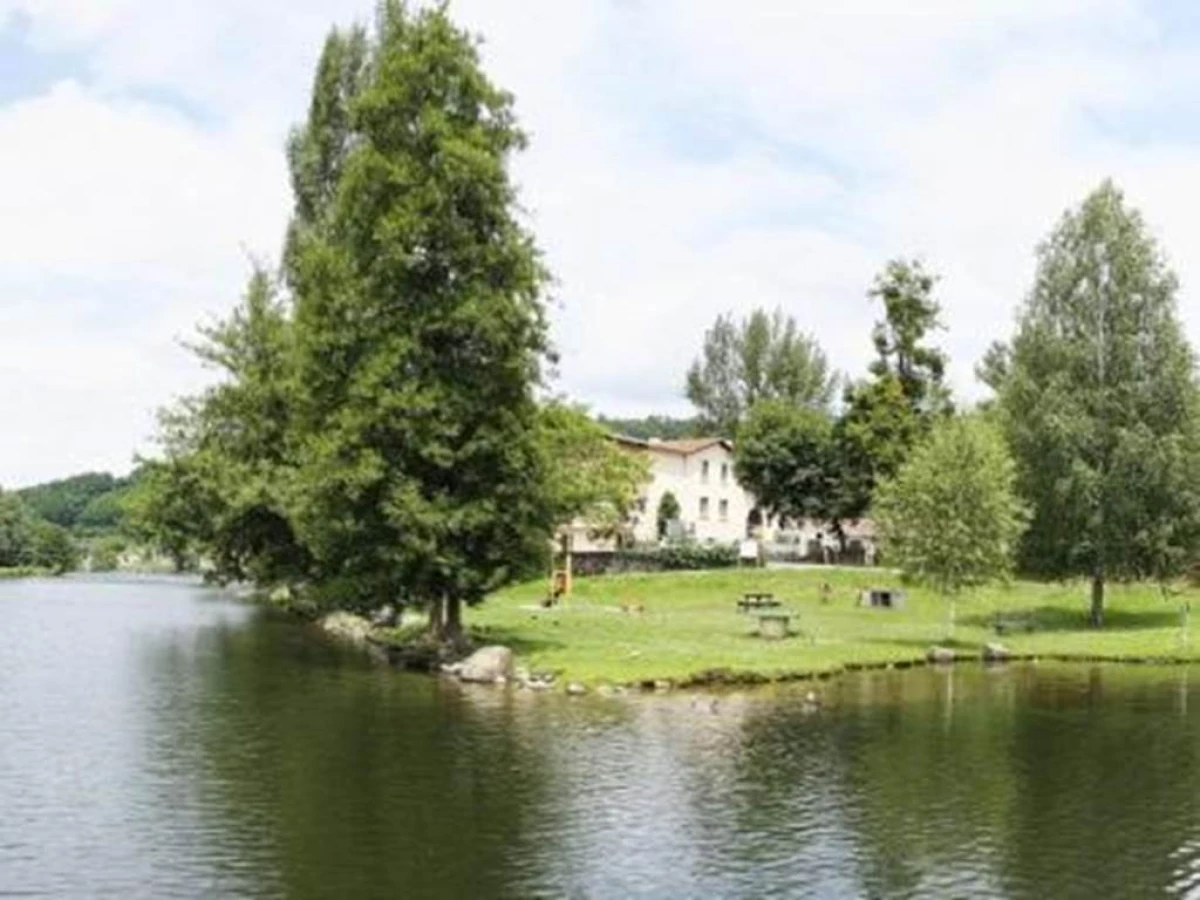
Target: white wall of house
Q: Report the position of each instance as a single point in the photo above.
(713, 506)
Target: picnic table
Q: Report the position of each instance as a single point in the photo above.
(774, 624)
(757, 600)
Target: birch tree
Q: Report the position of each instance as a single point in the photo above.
(1099, 399)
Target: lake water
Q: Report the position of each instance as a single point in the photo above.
(159, 740)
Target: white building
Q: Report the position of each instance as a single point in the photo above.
(713, 507)
(815, 541)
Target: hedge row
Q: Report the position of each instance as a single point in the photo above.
(671, 558)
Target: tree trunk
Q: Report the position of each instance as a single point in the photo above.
(1098, 598)
(437, 618)
(452, 621)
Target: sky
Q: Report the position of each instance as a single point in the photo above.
(687, 158)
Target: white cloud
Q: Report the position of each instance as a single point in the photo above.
(122, 226)
(688, 157)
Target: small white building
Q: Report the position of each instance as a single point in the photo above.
(713, 507)
(816, 541)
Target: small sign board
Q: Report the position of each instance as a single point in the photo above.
(749, 550)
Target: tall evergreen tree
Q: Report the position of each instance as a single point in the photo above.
(317, 149)
(1099, 398)
(420, 334)
(375, 437)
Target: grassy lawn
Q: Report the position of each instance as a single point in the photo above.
(689, 624)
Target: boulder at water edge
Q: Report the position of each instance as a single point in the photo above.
(484, 666)
(940, 655)
(996, 653)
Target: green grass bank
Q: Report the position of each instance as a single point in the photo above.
(688, 625)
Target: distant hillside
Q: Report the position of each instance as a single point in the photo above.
(665, 427)
(88, 502)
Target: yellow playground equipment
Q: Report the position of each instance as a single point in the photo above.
(560, 571)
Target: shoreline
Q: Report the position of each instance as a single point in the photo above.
(394, 656)
(666, 631)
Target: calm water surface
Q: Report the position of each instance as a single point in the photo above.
(158, 740)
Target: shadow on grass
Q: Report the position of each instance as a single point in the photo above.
(518, 642)
(1059, 619)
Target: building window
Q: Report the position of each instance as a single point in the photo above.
(704, 472)
(704, 509)
(723, 510)
(724, 472)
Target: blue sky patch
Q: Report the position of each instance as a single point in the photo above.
(26, 71)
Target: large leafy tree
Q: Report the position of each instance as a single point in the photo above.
(784, 457)
(950, 517)
(871, 439)
(419, 335)
(65, 502)
(1099, 399)
(224, 487)
(375, 436)
(223, 490)
(887, 413)
(590, 478)
(51, 547)
(16, 532)
(172, 509)
(762, 357)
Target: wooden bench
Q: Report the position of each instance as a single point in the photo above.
(755, 600)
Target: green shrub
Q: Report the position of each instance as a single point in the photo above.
(106, 554)
(675, 558)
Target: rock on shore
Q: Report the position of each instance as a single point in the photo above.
(940, 655)
(487, 665)
(347, 627)
(996, 653)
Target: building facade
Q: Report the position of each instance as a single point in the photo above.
(713, 507)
